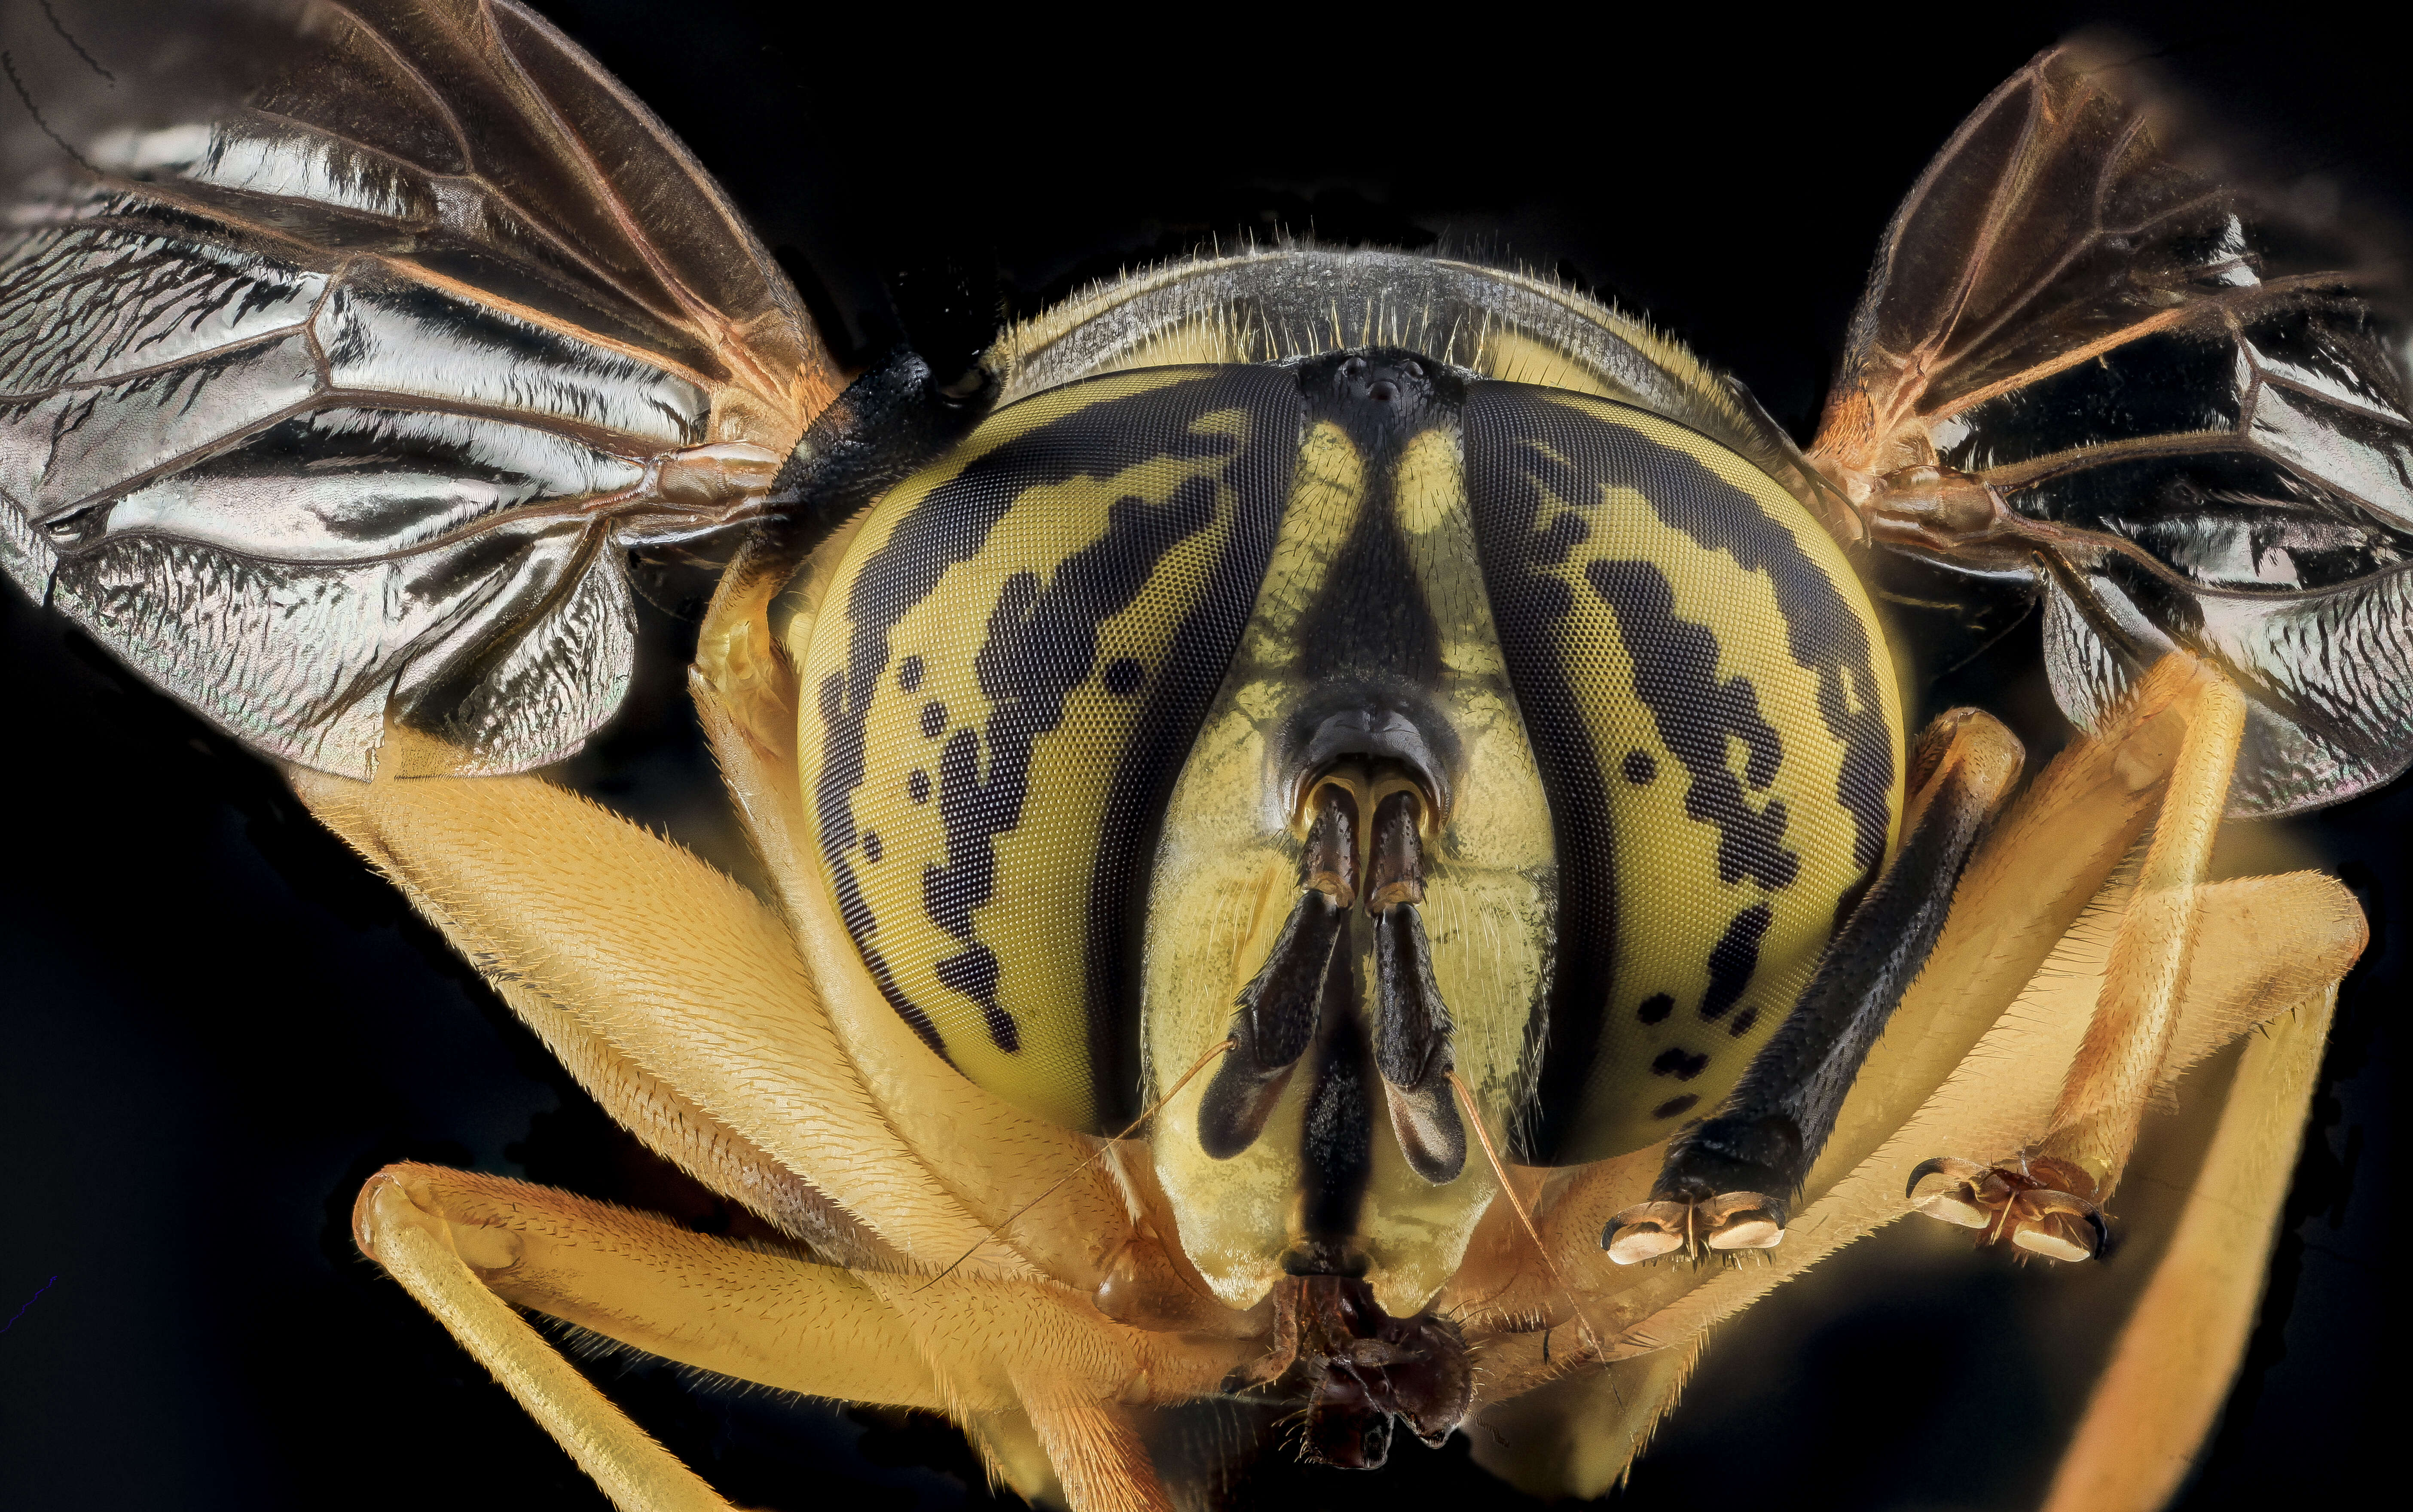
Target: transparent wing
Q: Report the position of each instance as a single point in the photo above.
(345, 353)
(2178, 405)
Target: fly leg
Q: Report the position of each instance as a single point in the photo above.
(2046, 1201)
(1729, 1181)
(1023, 1363)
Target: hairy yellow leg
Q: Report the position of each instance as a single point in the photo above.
(2045, 862)
(1929, 1085)
(668, 1123)
(676, 996)
(2030, 880)
(771, 1319)
(417, 1249)
(1099, 1457)
(1016, 1360)
(2103, 1098)
(1008, 1448)
(2266, 941)
(2281, 939)
(2180, 1348)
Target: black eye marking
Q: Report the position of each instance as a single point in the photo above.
(1698, 717)
(1550, 483)
(1584, 453)
(833, 689)
(973, 973)
(1123, 677)
(1733, 960)
(908, 674)
(1674, 1106)
(917, 787)
(1563, 534)
(1640, 768)
(951, 525)
(1820, 630)
(1743, 1021)
(1041, 644)
(872, 845)
(1655, 1007)
(934, 720)
(1676, 1062)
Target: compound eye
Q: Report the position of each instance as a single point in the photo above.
(1006, 672)
(1704, 685)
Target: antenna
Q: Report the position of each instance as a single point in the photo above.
(1475, 1118)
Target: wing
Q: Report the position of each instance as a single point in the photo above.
(338, 376)
(2177, 407)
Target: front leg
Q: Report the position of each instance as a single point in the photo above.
(473, 1248)
(419, 1249)
(1729, 1180)
(681, 1003)
(2047, 1199)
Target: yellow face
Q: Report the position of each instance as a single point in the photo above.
(1118, 722)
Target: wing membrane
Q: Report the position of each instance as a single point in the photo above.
(337, 376)
(2176, 406)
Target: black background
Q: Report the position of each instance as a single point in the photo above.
(213, 1024)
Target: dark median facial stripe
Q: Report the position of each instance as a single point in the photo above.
(1676, 677)
(1821, 631)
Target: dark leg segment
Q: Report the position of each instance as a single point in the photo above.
(1728, 1180)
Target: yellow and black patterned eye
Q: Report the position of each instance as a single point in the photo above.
(1708, 699)
(1009, 668)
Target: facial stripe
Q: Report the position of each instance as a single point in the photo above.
(1369, 617)
(1372, 641)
